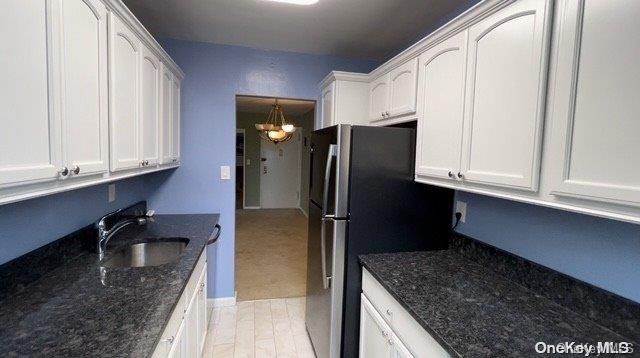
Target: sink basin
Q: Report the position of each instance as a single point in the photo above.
(152, 253)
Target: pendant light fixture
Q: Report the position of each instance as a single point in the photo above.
(275, 129)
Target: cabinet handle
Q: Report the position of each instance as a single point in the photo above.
(387, 113)
(385, 334)
(64, 171)
(382, 114)
(460, 175)
(389, 312)
(169, 340)
(450, 174)
(76, 170)
(146, 162)
(390, 342)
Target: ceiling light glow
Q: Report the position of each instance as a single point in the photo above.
(296, 2)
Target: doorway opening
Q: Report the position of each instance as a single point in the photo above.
(272, 187)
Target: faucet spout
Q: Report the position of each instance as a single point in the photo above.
(104, 234)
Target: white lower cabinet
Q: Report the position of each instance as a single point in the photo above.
(388, 330)
(185, 333)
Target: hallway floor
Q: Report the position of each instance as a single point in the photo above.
(271, 253)
(263, 328)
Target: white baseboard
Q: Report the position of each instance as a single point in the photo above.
(221, 302)
(252, 207)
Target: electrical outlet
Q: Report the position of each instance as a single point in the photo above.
(112, 193)
(461, 207)
(248, 161)
(225, 172)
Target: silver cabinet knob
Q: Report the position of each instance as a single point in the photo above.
(460, 175)
(389, 312)
(450, 174)
(385, 334)
(64, 171)
(387, 113)
(202, 284)
(390, 342)
(169, 340)
(76, 169)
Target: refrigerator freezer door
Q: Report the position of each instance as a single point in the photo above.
(325, 281)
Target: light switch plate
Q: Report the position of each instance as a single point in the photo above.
(248, 161)
(225, 172)
(112, 193)
(461, 207)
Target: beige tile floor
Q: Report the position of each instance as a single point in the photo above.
(261, 328)
(271, 259)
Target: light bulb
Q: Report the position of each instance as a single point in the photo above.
(289, 128)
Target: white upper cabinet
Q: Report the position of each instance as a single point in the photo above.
(175, 108)
(84, 104)
(327, 105)
(29, 138)
(403, 82)
(166, 125)
(595, 110)
(125, 77)
(150, 107)
(379, 98)
(439, 132)
(506, 87)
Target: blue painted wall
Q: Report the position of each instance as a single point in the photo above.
(604, 253)
(215, 74)
(30, 224)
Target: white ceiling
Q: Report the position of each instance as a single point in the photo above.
(290, 107)
(369, 29)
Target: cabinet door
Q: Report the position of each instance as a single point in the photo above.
(595, 113)
(328, 105)
(506, 80)
(403, 82)
(84, 84)
(202, 309)
(175, 107)
(439, 140)
(124, 116)
(191, 328)
(398, 349)
(177, 349)
(379, 98)
(166, 125)
(150, 106)
(375, 341)
(29, 139)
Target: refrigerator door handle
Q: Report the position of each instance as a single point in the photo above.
(333, 149)
(326, 281)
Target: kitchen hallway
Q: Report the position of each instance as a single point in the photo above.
(271, 253)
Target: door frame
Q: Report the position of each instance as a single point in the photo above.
(298, 167)
(244, 161)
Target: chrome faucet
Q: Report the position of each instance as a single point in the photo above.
(105, 235)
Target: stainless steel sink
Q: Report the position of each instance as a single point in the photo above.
(152, 253)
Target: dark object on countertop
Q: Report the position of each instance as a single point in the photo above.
(214, 237)
(473, 311)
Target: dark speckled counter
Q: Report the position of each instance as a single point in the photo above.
(473, 311)
(71, 312)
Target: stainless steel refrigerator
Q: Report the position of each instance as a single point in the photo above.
(362, 199)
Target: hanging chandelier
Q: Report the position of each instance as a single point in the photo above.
(276, 129)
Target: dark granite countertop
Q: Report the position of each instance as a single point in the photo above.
(69, 312)
(473, 311)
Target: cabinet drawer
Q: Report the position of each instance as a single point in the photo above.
(418, 341)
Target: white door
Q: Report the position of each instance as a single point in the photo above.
(149, 107)
(403, 83)
(595, 118)
(124, 70)
(506, 85)
(190, 334)
(166, 125)
(175, 107)
(328, 105)
(280, 173)
(29, 139)
(179, 343)
(375, 334)
(439, 139)
(379, 98)
(84, 84)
